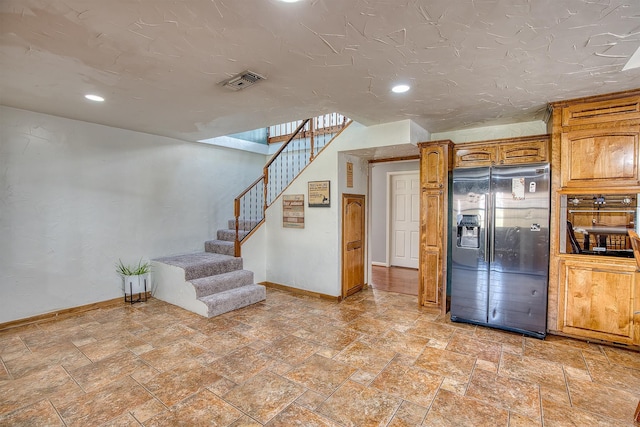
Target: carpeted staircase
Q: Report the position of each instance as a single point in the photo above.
(209, 283)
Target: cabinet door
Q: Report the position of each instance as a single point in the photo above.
(433, 167)
(523, 152)
(612, 110)
(473, 156)
(431, 241)
(599, 300)
(600, 157)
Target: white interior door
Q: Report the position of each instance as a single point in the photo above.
(405, 219)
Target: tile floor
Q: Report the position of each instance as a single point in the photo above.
(376, 359)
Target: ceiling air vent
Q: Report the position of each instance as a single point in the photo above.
(242, 80)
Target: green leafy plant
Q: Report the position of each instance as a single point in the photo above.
(133, 270)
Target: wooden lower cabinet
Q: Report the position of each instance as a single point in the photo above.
(599, 299)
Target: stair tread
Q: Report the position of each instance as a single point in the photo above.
(246, 289)
(220, 242)
(194, 259)
(218, 277)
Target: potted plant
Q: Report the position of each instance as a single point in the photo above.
(136, 279)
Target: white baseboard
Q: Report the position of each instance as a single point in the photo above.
(379, 264)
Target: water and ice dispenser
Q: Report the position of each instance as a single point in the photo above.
(468, 231)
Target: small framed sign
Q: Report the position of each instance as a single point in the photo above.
(319, 194)
(293, 211)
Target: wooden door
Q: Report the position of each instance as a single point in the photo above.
(353, 217)
(405, 220)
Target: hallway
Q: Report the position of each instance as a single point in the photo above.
(395, 279)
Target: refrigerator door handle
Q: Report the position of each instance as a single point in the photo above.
(487, 226)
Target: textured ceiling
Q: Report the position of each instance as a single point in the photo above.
(158, 62)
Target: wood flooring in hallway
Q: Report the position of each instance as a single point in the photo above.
(395, 279)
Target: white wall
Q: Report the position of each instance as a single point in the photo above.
(379, 195)
(513, 130)
(75, 197)
(310, 258)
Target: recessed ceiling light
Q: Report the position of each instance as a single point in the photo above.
(95, 98)
(400, 88)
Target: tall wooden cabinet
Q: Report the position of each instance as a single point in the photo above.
(435, 164)
(595, 150)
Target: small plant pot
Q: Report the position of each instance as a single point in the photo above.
(133, 284)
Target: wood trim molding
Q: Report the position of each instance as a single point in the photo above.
(301, 291)
(64, 313)
(395, 159)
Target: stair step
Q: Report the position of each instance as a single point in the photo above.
(234, 299)
(203, 264)
(222, 282)
(242, 224)
(220, 247)
(230, 235)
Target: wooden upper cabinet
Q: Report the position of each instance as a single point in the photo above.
(507, 151)
(524, 151)
(600, 157)
(474, 155)
(612, 110)
(433, 167)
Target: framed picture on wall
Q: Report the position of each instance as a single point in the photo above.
(319, 194)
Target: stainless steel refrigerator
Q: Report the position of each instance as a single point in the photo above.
(500, 247)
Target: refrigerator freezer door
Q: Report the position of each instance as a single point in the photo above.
(470, 269)
(520, 252)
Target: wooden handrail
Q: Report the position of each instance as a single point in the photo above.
(238, 203)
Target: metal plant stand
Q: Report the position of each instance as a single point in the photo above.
(140, 298)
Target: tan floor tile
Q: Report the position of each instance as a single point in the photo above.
(555, 414)
(161, 337)
(65, 354)
(432, 330)
(356, 405)
(245, 421)
(483, 350)
(96, 375)
(487, 366)
(15, 394)
(41, 413)
(292, 349)
(610, 402)
(125, 420)
(562, 354)
(363, 377)
(97, 350)
(512, 339)
(368, 325)
(408, 345)
(623, 357)
(310, 400)
(203, 408)
(446, 363)
(12, 347)
(220, 343)
(615, 376)
(507, 393)
(171, 388)
(105, 404)
(550, 375)
(457, 387)
(173, 355)
(453, 410)
(366, 357)
(296, 415)
(264, 396)
(321, 374)
(409, 383)
(147, 410)
(328, 336)
(517, 420)
(408, 415)
(240, 365)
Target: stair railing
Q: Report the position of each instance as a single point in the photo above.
(303, 145)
